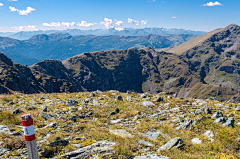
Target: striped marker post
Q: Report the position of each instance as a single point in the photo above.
(29, 134)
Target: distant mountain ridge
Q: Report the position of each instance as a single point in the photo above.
(25, 35)
(206, 68)
(62, 46)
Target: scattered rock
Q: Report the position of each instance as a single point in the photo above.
(209, 134)
(51, 125)
(16, 111)
(216, 115)
(145, 143)
(4, 128)
(113, 113)
(99, 147)
(92, 95)
(58, 143)
(147, 103)
(185, 125)
(196, 141)
(71, 102)
(115, 121)
(144, 95)
(221, 120)
(229, 123)
(118, 98)
(207, 110)
(175, 142)
(129, 98)
(158, 99)
(47, 116)
(151, 156)
(48, 153)
(121, 132)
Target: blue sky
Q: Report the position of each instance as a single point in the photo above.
(202, 15)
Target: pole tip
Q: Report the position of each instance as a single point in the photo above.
(26, 117)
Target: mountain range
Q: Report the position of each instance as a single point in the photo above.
(25, 35)
(205, 66)
(62, 46)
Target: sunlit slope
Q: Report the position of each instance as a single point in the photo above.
(181, 48)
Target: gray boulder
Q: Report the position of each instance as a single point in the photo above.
(216, 115)
(230, 122)
(175, 142)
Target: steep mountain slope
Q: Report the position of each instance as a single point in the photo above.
(62, 46)
(15, 77)
(216, 58)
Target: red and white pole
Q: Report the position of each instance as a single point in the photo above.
(29, 134)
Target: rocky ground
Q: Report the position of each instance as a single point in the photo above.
(120, 125)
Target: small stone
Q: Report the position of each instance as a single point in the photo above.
(58, 143)
(121, 132)
(147, 103)
(144, 95)
(115, 121)
(209, 134)
(175, 142)
(118, 98)
(216, 115)
(151, 156)
(4, 128)
(129, 98)
(16, 111)
(44, 108)
(221, 120)
(92, 95)
(207, 110)
(47, 153)
(71, 102)
(230, 122)
(51, 125)
(196, 141)
(145, 143)
(47, 116)
(158, 99)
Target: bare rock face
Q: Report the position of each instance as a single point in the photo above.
(15, 77)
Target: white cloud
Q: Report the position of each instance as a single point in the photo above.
(22, 12)
(118, 23)
(12, 9)
(108, 23)
(53, 24)
(143, 22)
(85, 24)
(173, 17)
(67, 24)
(211, 4)
(27, 11)
(133, 21)
(12, 0)
(0, 27)
(1, 4)
(26, 28)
